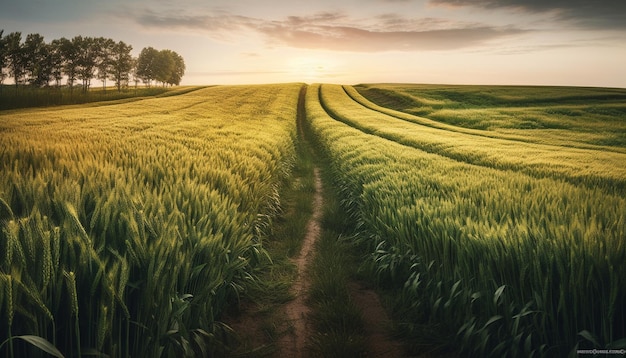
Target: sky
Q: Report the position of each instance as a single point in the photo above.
(512, 42)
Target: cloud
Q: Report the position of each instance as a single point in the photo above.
(337, 31)
(526, 49)
(345, 38)
(49, 11)
(178, 20)
(395, 22)
(590, 14)
(319, 18)
(234, 73)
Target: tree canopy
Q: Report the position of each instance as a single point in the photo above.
(165, 66)
(34, 62)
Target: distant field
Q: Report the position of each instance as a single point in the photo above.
(26, 96)
(571, 116)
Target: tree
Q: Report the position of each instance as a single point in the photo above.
(87, 59)
(170, 67)
(37, 61)
(15, 57)
(163, 66)
(56, 61)
(47, 65)
(105, 59)
(179, 70)
(145, 65)
(133, 73)
(3, 59)
(122, 64)
(69, 54)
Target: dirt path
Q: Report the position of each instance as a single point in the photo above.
(292, 323)
(376, 322)
(293, 344)
(375, 319)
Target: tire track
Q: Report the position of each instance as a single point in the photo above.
(294, 343)
(559, 170)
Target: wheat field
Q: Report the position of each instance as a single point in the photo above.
(513, 247)
(493, 217)
(126, 229)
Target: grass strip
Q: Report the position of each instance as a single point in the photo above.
(263, 300)
(336, 318)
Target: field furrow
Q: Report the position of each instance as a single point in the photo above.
(521, 135)
(593, 168)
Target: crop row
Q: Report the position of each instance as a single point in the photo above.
(595, 168)
(568, 116)
(579, 117)
(126, 229)
(504, 262)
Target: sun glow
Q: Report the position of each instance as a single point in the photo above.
(311, 68)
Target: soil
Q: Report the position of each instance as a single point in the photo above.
(376, 322)
(375, 318)
(293, 344)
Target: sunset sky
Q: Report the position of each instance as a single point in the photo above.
(544, 42)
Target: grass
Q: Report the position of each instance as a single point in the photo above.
(275, 276)
(338, 322)
(27, 97)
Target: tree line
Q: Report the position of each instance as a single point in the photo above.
(34, 62)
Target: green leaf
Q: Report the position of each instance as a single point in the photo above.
(619, 344)
(475, 296)
(528, 344)
(497, 294)
(5, 211)
(42, 344)
(455, 287)
(491, 320)
(185, 297)
(589, 336)
(92, 352)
